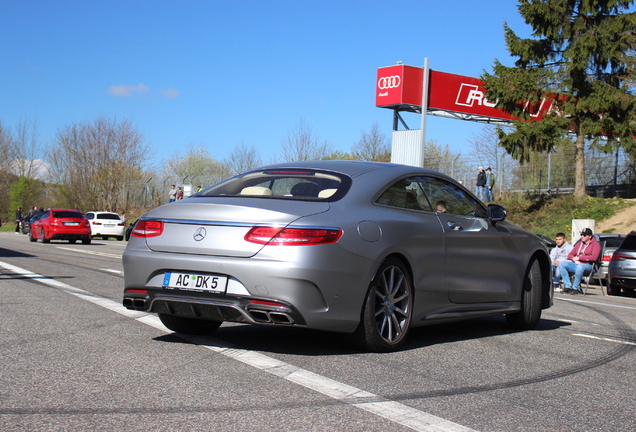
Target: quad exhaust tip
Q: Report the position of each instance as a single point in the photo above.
(135, 303)
(263, 316)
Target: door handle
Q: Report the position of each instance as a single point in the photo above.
(454, 226)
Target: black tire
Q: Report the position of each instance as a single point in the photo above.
(72, 241)
(120, 238)
(43, 237)
(191, 326)
(387, 310)
(528, 317)
(86, 241)
(613, 290)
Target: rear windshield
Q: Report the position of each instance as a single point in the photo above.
(629, 242)
(613, 241)
(110, 216)
(303, 184)
(68, 214)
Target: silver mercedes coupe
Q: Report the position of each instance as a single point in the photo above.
(369, 249)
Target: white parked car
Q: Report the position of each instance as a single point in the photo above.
(106, 224)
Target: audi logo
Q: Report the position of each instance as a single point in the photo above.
(389, 82)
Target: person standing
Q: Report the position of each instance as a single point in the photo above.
(579, 262)
(179, 194)
(172, 195)
(490, 183)
(557, 254)
(18, 219)
(481, 183)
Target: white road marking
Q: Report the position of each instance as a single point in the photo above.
(596, 303)
(119, 272)
(390, 410)
(90, 252)
(604, 339)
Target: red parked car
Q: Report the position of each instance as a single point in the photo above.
(61, 224)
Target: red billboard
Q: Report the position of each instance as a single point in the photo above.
(400, 87)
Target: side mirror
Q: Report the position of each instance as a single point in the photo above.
(496, 213)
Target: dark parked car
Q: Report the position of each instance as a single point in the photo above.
(342, 246)
(129, 230)
(622, 267)
(26, 222)
(61, 224)
(612, 242)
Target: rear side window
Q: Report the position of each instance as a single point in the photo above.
(67, 214)
(293, 184)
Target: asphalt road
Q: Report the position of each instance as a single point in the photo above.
(72, 358)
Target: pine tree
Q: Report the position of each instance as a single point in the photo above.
(578, 58)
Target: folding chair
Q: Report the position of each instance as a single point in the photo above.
(594, 273)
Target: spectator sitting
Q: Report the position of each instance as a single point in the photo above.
(580, 259)
(558, 254)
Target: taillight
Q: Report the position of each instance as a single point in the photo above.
(621, 257)
(96, 223)
(121, 224)
(145, 228)
(292, 236)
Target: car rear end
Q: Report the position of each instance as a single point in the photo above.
(254, 253)
(622, 267)
(107, 224)
(67, 225)
(611, 242)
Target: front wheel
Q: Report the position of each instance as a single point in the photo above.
(528, 317)
(192, 326)
(388, 308)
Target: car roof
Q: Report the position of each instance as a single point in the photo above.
(382, 171)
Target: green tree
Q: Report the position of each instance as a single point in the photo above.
(576, 57)
(26, 192)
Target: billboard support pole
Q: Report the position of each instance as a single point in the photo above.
(424, 108)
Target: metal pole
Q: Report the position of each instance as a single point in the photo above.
(453, 165)
(616, 174)
(425, 76)
(549, 170)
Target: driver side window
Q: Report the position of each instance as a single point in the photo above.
(449, 198)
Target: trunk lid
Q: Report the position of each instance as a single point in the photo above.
(210, 228)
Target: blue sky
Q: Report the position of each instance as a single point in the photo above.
(220, 73)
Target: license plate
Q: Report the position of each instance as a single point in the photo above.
(109, 225)
(71, 223)
(197, 282)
